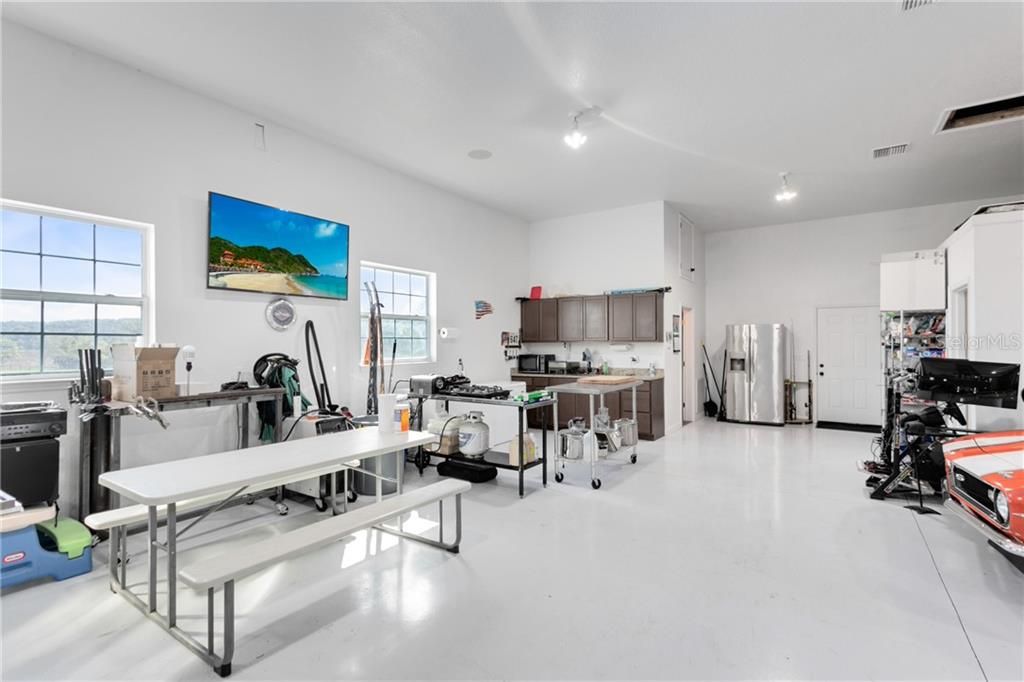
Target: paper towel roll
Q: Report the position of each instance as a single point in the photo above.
(448, 333)
(386, 412)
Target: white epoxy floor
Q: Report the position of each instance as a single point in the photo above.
(726, 552)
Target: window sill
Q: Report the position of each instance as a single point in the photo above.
(402, 363)
(28, 384)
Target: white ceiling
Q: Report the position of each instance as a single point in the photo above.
(704, 104)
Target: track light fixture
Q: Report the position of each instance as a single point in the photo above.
(575, 139)
(785, 193)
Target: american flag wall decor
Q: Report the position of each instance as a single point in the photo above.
(483, 308)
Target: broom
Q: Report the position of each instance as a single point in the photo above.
(710, 406)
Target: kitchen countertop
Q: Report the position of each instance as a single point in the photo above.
(641, 374)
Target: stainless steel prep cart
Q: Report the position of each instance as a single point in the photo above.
(590, 390)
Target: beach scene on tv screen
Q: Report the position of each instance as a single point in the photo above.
(259, 248)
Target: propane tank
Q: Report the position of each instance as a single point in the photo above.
(474, 436)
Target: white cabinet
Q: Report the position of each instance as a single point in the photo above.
(986, 320)
(913, 280)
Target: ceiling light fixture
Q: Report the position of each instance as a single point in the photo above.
(575, 139)
(785, 194)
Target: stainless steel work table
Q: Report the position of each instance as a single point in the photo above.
(590, 390)
(116, 409)
(500, 460)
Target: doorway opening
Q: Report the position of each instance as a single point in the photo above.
(688, 360)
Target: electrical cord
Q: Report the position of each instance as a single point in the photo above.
(315, 410)
(440, 436)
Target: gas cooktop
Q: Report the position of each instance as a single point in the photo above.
(474, 391)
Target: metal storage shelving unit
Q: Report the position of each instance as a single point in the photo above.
(911, 334)
(907, 336)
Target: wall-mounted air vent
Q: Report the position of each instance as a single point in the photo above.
(891, 150)
(908, 5)
(986, 113)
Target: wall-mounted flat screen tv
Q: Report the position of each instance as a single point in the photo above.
(267, 250)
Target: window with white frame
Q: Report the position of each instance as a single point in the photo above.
(406, 302)
(68, 281)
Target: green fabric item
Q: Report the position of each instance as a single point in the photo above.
(70, 536)
(290, 383)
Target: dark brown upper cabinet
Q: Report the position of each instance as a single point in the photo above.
(595, 318)
(620, 318)
(539, 320)
(647, 317)
(549, 319)
(570, 319)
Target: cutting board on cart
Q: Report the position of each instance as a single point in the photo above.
(607, 379)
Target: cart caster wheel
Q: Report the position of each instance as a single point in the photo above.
(282, 509)
(559, 477)
(596, 484)
(224, 670)
(249, 500)
(353, 496)
(632, 459)
(320, 504)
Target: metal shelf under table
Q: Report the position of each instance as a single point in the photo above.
(523, 408)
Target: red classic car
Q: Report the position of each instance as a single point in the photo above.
(985, 480)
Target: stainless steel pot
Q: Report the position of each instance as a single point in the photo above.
(628, 431)
(572, 444)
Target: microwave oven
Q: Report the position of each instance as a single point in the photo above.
(533, 363)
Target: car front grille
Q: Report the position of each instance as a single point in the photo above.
(980, 493)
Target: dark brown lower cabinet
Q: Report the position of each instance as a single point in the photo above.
(650, 408)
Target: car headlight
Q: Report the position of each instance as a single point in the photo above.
(1002, 507)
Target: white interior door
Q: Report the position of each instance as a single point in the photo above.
(849, 365)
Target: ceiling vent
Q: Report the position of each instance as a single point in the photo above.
(891, 150)
(908, 5)
(986, 113)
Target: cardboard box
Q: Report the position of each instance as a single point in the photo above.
(529, 446)
(146, 372)
(449, 444)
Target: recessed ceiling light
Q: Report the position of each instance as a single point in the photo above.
(785, 193)
(480, 154)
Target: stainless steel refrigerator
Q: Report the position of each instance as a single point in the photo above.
(755, 373)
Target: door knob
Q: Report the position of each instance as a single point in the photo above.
(821, 374)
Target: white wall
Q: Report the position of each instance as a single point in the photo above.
(784, 273)
(593, 253)
(81, 132)
(624, 248)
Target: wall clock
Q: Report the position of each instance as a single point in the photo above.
(280, 314)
